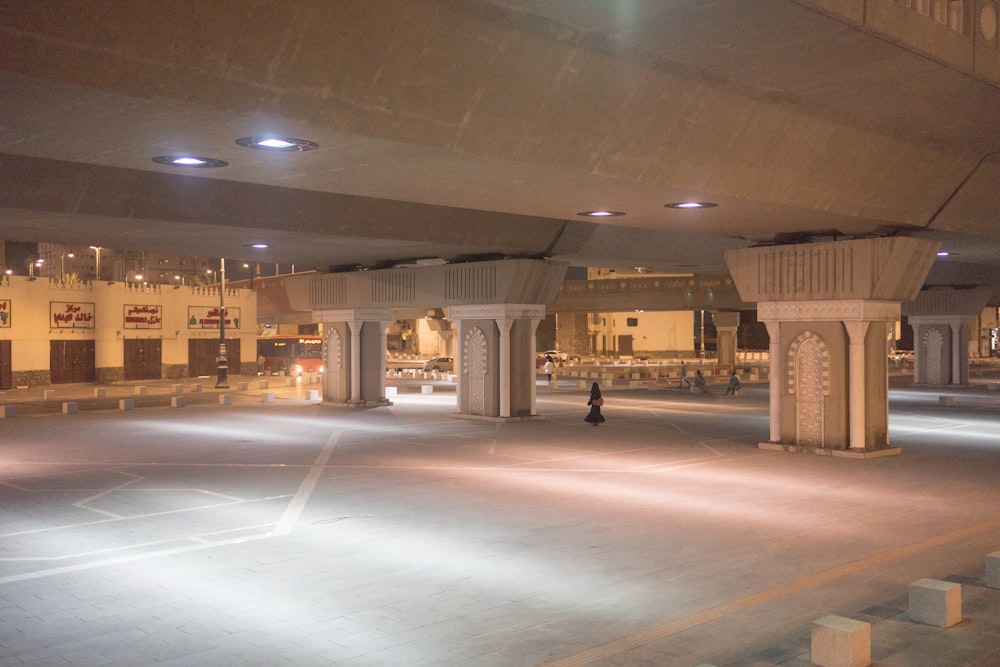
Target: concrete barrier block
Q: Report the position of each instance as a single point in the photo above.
(8, 411)
(391, 391)
(244, 386)
(312, 395)
(100, 392)
(262, 384)
(195, 388)
(993, 570)
(225, 399)
(70, 407)
(126, 404)
(49, 394)
(267, 397)
(177, 401)
(935, 602)
(426, 389)
(581, 384)
(141, 390)
(178, 389)
(841, 642)
(946, 401)
(992, 386)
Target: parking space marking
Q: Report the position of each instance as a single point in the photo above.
(298, 503)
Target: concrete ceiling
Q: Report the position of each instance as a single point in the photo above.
(458, 129)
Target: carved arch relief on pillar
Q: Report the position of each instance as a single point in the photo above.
(809, 382)
(474, 356)
(933, 353)
(334, 357)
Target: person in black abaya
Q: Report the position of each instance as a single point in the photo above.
(596, 401)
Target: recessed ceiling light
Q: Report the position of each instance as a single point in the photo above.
(259, 246)
(691, 204)
(274, 143)
(189, 161)
(943, 253)
(601, 214)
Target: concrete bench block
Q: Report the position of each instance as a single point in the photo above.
(841, 642)
(312, 395)
(126, 404)
(195, 388)
(70, 407)
(262, 384)
(581, 384)
(426, 389)
(100, 392)
(267, 397)
(993, 570)
(946, 401)
(936, 602)
(244, 386)
(49, 394)
(141, 391)
(178, 389)
(177, 401)
(8, 411)
(391, 391)
(225, 399)
(992, 386)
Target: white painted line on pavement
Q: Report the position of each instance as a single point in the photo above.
(291, 515)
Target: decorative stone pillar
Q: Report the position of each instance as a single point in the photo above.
(828, 308)
(726, 325)
(496, 359)
(354, 356)
(943, 319)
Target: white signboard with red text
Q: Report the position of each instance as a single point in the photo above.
(71, 315)
(143, 317)
(200, 317)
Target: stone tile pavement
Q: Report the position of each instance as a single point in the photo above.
(312, 535)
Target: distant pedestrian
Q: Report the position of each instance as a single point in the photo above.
(596, 401)
(684, 375)
(699, 382)
(549, 368)
(734, 384)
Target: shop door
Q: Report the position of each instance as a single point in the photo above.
(202, 354)
(625, 346)
(6, 375)
(71, 361)
(143, 358)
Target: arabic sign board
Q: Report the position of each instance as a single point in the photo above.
(71, 315)
(4, 313)
(143, 317)
(200, 317)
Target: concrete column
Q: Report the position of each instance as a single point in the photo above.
(856, 332)
(534, 385)
(355, 369)
(941, 318)
(504, 325)
(726, 325)
(383, 337)
(774, 373)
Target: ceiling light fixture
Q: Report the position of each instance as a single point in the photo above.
(601, 214)
(259, 246)
(275, 143)
(943, 253)
(691, 204)
(189, 161)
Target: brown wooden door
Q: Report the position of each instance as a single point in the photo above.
(143, 358)
(203, 354)
(71, 361)
(6, 374)
(625, 346)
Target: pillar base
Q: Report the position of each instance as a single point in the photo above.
(500, 420)
(823, 451)
(358, 404)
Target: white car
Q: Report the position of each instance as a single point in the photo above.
(440, 364)
(555, 354)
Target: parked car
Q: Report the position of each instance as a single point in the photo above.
(440, 364)
(555, 354)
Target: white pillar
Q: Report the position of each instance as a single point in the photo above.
(504, 325)
(956, 350)
(355, 326)
(383, 328)
(459, 360)
(534, 385)
(777, 382)
(856, 382)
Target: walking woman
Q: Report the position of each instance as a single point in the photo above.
(595, 417)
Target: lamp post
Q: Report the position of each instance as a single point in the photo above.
(223, 380)
(97, 266)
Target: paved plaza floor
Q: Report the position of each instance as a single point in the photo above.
(289, 532)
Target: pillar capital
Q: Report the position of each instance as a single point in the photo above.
(497, 311)
(353, 315)
(844, 310)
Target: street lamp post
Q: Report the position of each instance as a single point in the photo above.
(223, 380)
